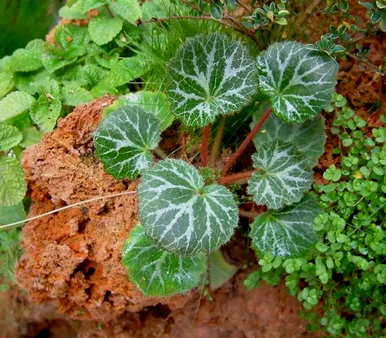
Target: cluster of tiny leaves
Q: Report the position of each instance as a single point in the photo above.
(346, 267)
(298, 79)
(211, 75)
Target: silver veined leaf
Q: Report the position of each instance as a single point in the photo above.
(211, 75)
(156, 103)
(283, 175)
(12, 184)
(124, 140)
(158, 272)
(308, 137)
(298, 78)
(286, 232)
(180, 213)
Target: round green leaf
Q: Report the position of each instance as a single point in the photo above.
(124, 140)
(286, 232)
(308, 137)
(283, 175)
(129, 10)
(298, 78)
(211, 75)
(180, 213)
(156, 103)
(157, 272)
(10, 137)
(12, 183)
(103, 29)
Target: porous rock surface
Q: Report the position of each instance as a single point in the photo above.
(73, 257)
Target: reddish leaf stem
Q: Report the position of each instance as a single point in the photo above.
(231, 160)
(204, 149)
(239, 177)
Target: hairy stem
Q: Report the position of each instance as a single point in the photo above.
(217, 143)
(160, 153)
(231, 160)
(15, 224)
(242, 177)
(204, 149)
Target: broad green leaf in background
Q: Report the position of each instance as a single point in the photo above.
(283, 175)
(72, 39)
(14, 104)
(156, 103)
(31, 136)
(210, 75)
(180, 213)
(79, 9)
(12, 184)
(122, 72)
(155, 9)
(298, 78)
(27, 59)
(129, 10)
(219, 270)
(12, 214)
(74, 95)
(124, 140)
(46, 112)
(6, 83)
(286, 232)
(10, 137)
(103, 29)
(308, 137)
(158, 272)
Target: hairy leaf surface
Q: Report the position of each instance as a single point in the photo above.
(182, 214)
(12, 184)
(103, 29)
(130, 10)
(298, 78)
(10, 137)
(158, 272)
(14, 104)
(124, 140)
(286, 232)
(283, 175)
(211, 75)
(308, 137)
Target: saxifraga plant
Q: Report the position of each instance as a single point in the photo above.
(185, 215)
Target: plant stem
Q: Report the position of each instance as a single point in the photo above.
(242, 177)
(217, 143)
(248, 214)
(204, 149)
(160, 153)
(14, 224)
(231, 160)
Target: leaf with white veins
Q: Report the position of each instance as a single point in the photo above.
(124, 140)
(286, 232)
(180, 213)
(308, 137)
(298, 78)
(283, 175)
(158, 272)
(211, 75)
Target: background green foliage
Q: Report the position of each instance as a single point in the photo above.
(346, 270)
(24, 20)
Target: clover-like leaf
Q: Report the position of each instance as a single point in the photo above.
(298, 78)
(286, 232)
(158, 272)
(180, 213)
(124, 140)
(308, 137)
(211, 75)
(12, 183)
(283, 175)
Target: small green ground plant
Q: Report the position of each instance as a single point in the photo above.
(345, 270)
